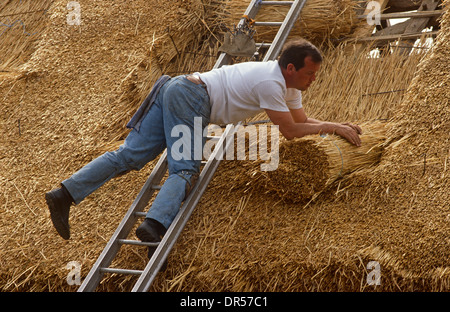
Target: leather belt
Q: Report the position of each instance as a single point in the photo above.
(195, 79)
(198, 81)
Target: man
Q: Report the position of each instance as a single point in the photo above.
(221, 96)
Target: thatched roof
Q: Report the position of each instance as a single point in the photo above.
(68, 102)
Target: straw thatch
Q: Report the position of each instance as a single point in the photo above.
(308, 165)
(370, 88)
(413, 175)
(187, 41)
(320, 21)
(395, 213)
(21, 27)
(69, 103)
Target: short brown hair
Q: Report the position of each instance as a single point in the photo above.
(295, 51)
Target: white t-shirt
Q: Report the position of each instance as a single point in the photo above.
(243, 90)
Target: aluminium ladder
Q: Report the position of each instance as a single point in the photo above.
(135, 212)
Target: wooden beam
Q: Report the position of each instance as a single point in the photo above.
(367, 29)
(406, 36)
(408, 31)
(402, 6)
(395, 29)
(407, 15)
(418, 24)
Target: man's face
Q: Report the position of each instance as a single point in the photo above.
(302, 78)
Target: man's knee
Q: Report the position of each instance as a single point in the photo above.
(124, 161)
(131, 159)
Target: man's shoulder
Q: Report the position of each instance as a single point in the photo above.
(267, 65)
(259, 72)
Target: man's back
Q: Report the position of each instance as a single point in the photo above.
(243, 90)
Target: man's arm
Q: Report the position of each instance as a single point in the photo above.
(295, 124)
(299, 116)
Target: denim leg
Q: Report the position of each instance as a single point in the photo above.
(186, 114)
(183, 102)
(168, 201)
(138, 149)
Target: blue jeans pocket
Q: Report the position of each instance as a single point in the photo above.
(186, 100)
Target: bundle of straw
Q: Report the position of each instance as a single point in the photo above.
(308, 165)
(319, 20)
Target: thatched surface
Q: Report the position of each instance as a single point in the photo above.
(320, 20)
(413, 178)
(21, 27)
(69, 98)
(66, 99)
(308, 165)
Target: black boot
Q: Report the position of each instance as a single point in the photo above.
(151, 231)
(59, 202)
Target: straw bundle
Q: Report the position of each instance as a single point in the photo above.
(308, 165)
(21, 26)
(319, 20)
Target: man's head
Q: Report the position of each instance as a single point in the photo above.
(299, 61)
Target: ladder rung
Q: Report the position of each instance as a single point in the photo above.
(268, 24)
(263, 45)
(156, 187)
(135, 242)
(277, 2)
(140, 214)
(120, 271)
(213, 137)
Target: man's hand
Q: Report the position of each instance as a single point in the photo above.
(355, 127)
(350, 132)
(295, 124)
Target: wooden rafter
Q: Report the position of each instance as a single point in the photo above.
(408, 31)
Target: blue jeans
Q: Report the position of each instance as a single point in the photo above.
(178, 102)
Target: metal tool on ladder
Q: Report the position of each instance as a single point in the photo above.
(135, 212)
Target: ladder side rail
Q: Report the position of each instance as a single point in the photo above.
(285, 29)
(276, 2)
(223, 59)
(112, 247)
(177, 226)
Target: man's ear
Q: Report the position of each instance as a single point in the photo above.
(290, 68)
